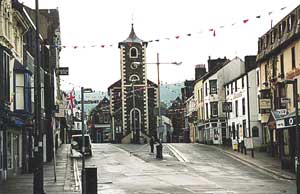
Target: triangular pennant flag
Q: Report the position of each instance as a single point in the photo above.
(270, 12)
(189, 34)
(214, 34)
(222, 26)
(177, 37)
(211, 29)
(150, 40)
(282, 8)
(167, 38)
(258, 16)
(157, 40)
(75, 47)
(245, 21)
(104, 45)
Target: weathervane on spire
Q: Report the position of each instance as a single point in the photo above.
(132, 19)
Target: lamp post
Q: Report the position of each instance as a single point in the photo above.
(83, 90)
(38, 176)
(158, 89)
(158, 84)
(295, 96)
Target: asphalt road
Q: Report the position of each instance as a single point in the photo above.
(131, 169)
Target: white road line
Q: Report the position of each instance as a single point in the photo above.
(180, 156)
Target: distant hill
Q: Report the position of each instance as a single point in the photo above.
(168, 92)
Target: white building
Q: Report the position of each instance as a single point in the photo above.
(241, 97)
(220, 71)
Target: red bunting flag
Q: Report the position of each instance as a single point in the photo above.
(245, 21)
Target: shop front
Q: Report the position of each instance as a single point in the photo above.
(286, 127)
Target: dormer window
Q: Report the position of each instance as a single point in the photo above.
(133, 52)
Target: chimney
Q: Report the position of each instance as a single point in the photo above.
(200, 70)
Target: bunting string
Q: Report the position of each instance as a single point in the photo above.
(212, 31)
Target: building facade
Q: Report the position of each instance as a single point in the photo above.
(278, 67)
(134, 97)
(100, 122)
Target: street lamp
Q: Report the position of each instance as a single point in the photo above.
(295, 96)
(158, 84)
(83, 90)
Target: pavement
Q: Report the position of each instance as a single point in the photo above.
(23, 183)
(261, 161)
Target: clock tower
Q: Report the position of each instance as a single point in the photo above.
(137, 95)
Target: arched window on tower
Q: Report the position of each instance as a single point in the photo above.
(133, 52)
(134, 78)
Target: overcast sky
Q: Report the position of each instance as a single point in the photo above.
(98, 22)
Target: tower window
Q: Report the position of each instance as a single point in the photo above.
(133, 52)
(134, 78)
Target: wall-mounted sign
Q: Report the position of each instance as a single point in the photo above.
(282, 112)
(265, 103)
(280, 124)
(62, 71)
(227, 106)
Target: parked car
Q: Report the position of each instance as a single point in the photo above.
(76, 144)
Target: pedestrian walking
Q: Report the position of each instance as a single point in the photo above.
(152, 144)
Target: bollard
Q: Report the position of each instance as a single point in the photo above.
(91, 180)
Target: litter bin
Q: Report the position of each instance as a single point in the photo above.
(159, 151)
(91, 180)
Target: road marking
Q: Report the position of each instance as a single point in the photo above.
(76, 175)
(177, 153)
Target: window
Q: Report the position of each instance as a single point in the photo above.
(244, 129)
(243, 106)
(227, 89)
(231, 85)
(201, 94)
(266, 73)
(214, 109)
(255, 132)
(4, 74)
(282, 66)
(133, 52)
(206, 89)
(134, 78)
(235, 85)
(289, 23)
(293, 57)
(243, 83)
(236, 108)
(19, 96)
(257, 78)
(233, 130)
(213, 87)
(274, 62)
(206, 107)
(198, 91)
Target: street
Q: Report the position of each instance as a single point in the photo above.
(132, 169)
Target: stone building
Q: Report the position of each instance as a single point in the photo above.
(133, 98)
